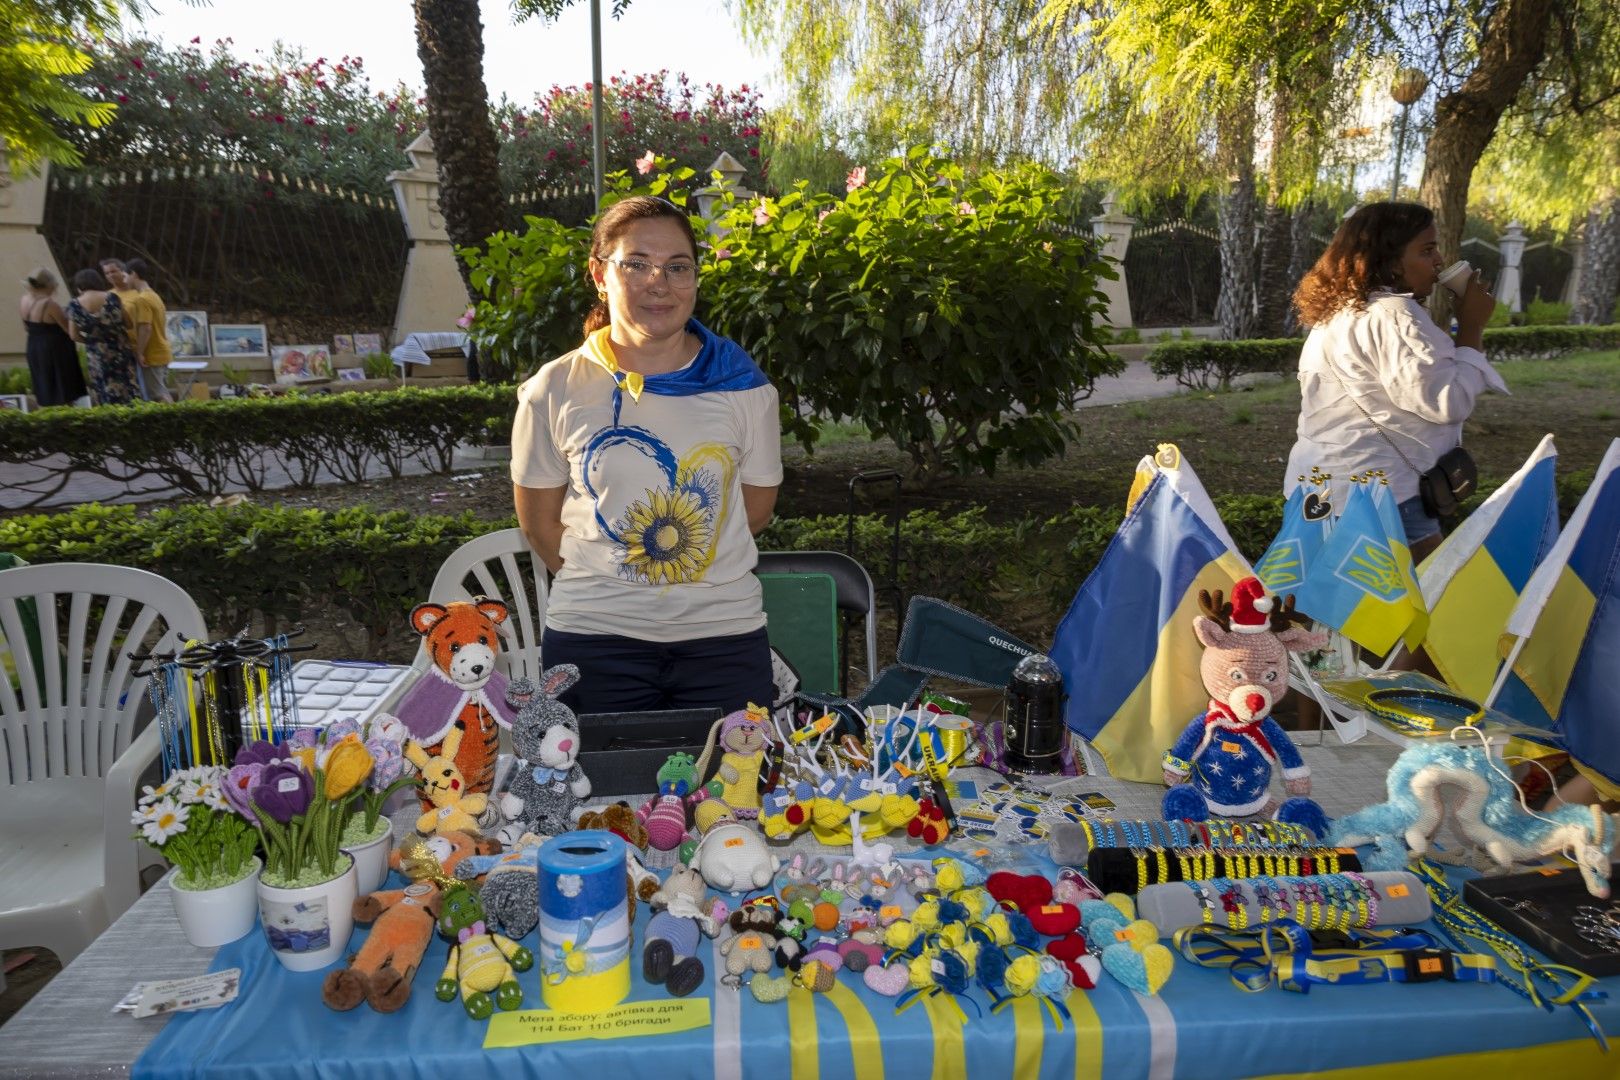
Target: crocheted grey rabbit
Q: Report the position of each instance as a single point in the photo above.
(547, 783)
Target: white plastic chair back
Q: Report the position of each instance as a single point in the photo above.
(70, 758)
(502, 566)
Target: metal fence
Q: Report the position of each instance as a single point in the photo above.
(1174, 274)
(243, 245)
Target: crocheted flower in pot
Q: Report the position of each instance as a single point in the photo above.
(283, 791)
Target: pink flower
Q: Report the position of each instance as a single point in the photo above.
(122, 98)
(645, 163)
(823, 215)
(196, 40)
(856, 178)
(964, 207)
(762, 213)
(280, 119)
(722, 253)
(466, 318)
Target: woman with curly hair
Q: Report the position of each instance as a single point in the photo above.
(1381, 386)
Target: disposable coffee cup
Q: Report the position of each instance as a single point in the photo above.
(1455, 277)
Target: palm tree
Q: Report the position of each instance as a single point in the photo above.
(450, 43)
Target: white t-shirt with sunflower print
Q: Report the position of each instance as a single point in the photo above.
(655, 541)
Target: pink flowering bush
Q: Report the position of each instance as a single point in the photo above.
(282, 112)
(661, 115)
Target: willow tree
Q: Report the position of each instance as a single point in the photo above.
(866, 78)
(1555, 160)
(1212, 77)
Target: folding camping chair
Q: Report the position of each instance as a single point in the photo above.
(798, 614)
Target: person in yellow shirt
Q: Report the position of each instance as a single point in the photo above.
(151, 317)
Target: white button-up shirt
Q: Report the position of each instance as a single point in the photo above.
(1405, 372)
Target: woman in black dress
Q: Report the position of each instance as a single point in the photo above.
(53, 362)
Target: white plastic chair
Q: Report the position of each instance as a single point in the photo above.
(500, 565)
(70, 760)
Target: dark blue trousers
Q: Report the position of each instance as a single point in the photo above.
(620, 674)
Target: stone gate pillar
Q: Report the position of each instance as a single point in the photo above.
(22, 248)
(1508, 283)
(432, 296)
(1114, 230)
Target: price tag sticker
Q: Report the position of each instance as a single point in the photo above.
(889, 911)
(288, 784)
(735, 841)
(1051, 909)
(1231, 747)
(1398, 891)
(749, 941)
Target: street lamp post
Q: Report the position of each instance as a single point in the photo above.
(1408, 86)
(597, 152)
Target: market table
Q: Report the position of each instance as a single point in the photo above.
(1200, 1026)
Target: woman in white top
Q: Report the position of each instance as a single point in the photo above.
(643, 464)
(1381, 386)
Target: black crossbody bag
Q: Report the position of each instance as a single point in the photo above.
(1442, 488)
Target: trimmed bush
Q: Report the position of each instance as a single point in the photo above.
(204, 448)
(1211, 365)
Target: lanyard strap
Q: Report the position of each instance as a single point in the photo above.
(1281, 953)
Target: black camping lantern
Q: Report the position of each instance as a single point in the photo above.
(1034, 730)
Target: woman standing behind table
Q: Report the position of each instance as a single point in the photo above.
(97, 319)
(643, 464)
(53, 362)
(1381, 386)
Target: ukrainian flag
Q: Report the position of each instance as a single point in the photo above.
(1362, 583)
(1287, 562)
(1564, 636)
(1473, 580)
(1126, 646)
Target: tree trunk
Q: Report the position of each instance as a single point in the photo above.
(450, 43)
(1600, 265)
(1301, 256)
(1272, 289)
(1234, 310)
(1511, 45)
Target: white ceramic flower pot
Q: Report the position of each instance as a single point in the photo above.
(210, 917)
(308, 928)
(371, 859)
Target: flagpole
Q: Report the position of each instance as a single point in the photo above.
(1503, 673)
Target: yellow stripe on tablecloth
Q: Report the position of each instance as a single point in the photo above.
(805, 1054)
(1029, 1036)
(1088, 1037)
(1578, 1057)
(950, 1059)
(864, 1044)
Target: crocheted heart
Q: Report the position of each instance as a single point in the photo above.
(889, 981)
(1023, 891)
(1053, 920)
(1081, 965)
(767, 989)
(1139, 934)
(1068, 947)
(1145, 971)
(1126, 906)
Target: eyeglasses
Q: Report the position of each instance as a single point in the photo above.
(680, 275)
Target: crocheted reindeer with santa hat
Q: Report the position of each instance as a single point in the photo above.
(1223, 761)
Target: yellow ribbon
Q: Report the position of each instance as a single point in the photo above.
(805, 1054)
(1028, 1035)
(1088, 1039)
(865, 1046)
(950, 1061)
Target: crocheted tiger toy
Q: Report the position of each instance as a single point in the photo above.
(463, 640)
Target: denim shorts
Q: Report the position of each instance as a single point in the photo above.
(1416, 520)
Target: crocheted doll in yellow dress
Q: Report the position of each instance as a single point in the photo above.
(742, 737)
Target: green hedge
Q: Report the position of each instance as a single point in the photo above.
(204, 448)
(250, 565)
(1210, 365)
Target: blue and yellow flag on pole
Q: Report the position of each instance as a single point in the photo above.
(1472, 581)
(1362, 583)
(1564, 636)
(1126, 646)
(1288, 561)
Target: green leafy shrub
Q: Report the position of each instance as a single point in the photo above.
(1546, 313)
(204, 448)
(377, 365)
(945, 313)
(534, 295)
(1211, 365)
(16, 381)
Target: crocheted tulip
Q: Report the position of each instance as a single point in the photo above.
(347, 766)
(238, 787)
(257, 753)
(283, 791)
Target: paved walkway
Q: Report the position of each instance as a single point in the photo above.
(21, 484)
